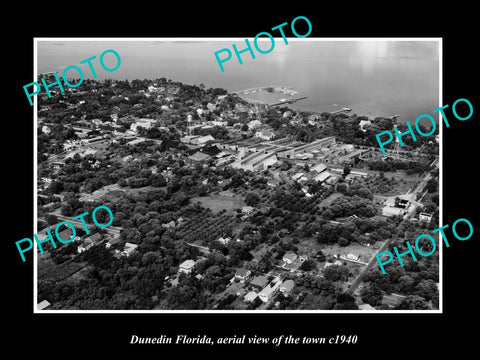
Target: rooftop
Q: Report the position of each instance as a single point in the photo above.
(259, 281)
(198, 156)
(187, 264)
(43, 305)
(287, 285)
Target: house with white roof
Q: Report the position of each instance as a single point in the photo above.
(43, 305)
(289, 258)
(265, 135)
(89, 242)
(129, 249)
(251, 296)
(254, 124)
(270, 290)
(187, 266)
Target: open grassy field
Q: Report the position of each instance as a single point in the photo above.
(224, 200)
(392, 183)
(365, 252)
(48, 270)
(308, 246)
(328, 200)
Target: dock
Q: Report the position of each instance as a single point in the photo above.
(291, 101)
(343, 110)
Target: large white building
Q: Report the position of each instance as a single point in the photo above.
(187, 266)
(197, 140)
(144, 123)
(265, 134)
(321, 144)
(256, 161)
(269, 291)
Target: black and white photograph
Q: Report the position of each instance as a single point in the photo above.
(262, 188)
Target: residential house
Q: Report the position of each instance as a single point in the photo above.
(391, 211)
(242, 275)
(224, 240)
(127, 158)
(254, 124)
(297, 176)
(198, 157)
(46, 129)
(247, 210)
(251, 296)
(168, 225)
(112, 242)
(67, 235)
(187, 266)
(57, 165)
(318, 168)
(289, 258)
(259, 282)
(395, 206)
(332, 180)
(269, 291)
(352, 257)
(219, 123)
(322, 176)
(366, 307)
(241, 292)
(129, 249)
(43, 305)
(89, 241)
(292, 262)
(201, 140)
(234, 288)
(363, 123)
(211, 107)
(286, 287)
(144, 123)
(354, 174)
(255, 161)
(312, 119)
(273, 183)
(337, 263)
(305, 190)
(392, 300)
(97, 122)
(265, 135)
(425, 217)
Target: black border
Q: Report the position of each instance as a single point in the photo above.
(379, 334)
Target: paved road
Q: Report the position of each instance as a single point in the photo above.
(373, 261)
